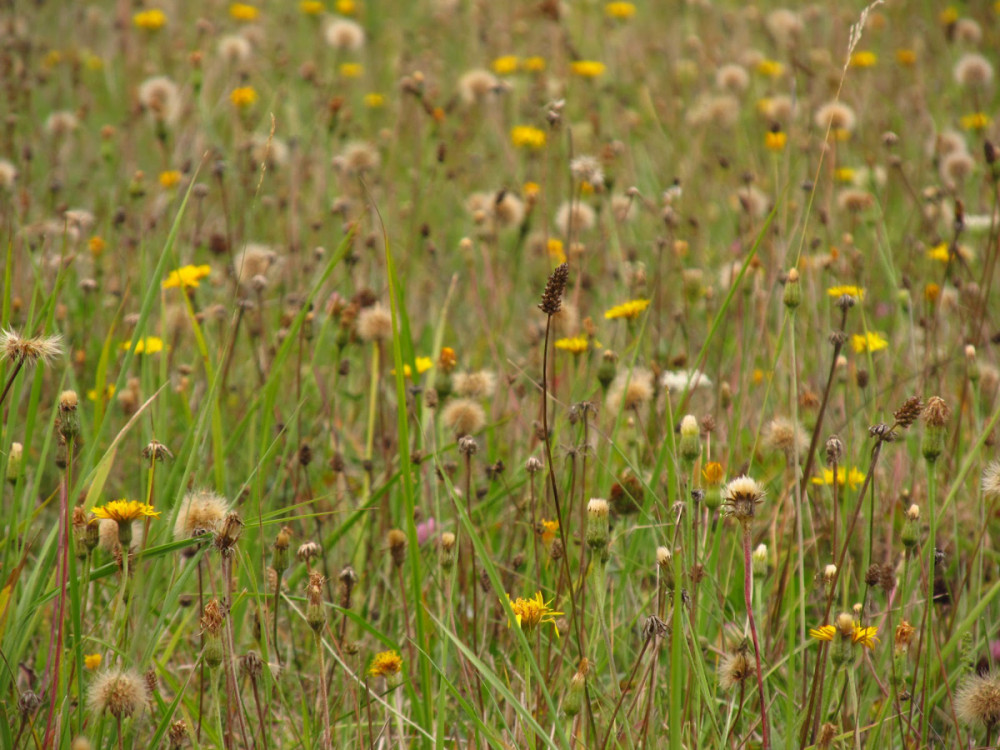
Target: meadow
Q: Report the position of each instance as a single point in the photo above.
(526, 374)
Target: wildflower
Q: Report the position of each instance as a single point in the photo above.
(587, 68)
(863, 59)
(145, 345)
(836, 116)
(734, 669)
(973, 70)
(866, 636)
(741, 498)
(823, 632)
(351, 70)
(853, 477)
(948, 16)
(775, 140)
(447, 359)
(990, 483)
(480, 384)
(28, 351)
(534, 64)
(532, 612)
(676, 381)
(976, 121)
(463, 416)
(939, 252)
(505, 65)
(629, 310)
(555, 250)
(526, 136)
(575, 216)
(906, 57)
(346, 7)
(311, 7)
(573, 345)
(345, 35)
(160, 97)
(620, 11)
(150, 20)
(125, 511)
(630, 391)
(243, 12)
(170, 178)
(92, 661)
(375, 323)
(386, 664)
(977, 700)
(712, 473)
(120, 692)
(357, 158)
(781, 435)
(844, 174)
(770, 68)
(374, 100)
(186, 277)
(840, 290)
(243, 96)
(423, 365)
(548, 531)
(870, 341)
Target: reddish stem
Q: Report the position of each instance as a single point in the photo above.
(748, 597)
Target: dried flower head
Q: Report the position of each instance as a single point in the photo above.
(463, 416)
(396, 540)
(375, 323)
(908, 413)
(343, 34)
(741, 498)
(28, 351)
(122, 693)
(201, 512)
(554, 288)
(734, 669)
(481, 384)
(782, 435)
(977, 700)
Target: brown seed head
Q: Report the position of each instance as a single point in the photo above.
(908, 413)
(554, 288)
(397, 546)
(936, 412)
(212, 618)
(977, 700)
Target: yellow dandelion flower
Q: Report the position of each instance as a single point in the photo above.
(770, 68)
(243, 12)
(526, 136)
(351, 70)
(534, 64)
(863, 59)
(374, 100)
(243, 96)
(531, 189)
(865, 636)
(150, 20)
(868, 342)
(92, 661)
(549, 529)
(906, 57)
(948, 16)
(629, 310)
(108, 393)
(532, 612)
(145, 345)
(311, 7)
(96, 245)
(939, 252)
(170, 178)
(123, 511)
(712, 473)
(849, 289)
(346, 7)
(619, 10)
(844, 174)
(587, 68)
(186, 277)
(386, 664)
(775, 140)
(976, 121)
(505, 65)
(823, 632)
(853, 477)
(932, 292)
(556, 251)
(573, 345)
(423, 365)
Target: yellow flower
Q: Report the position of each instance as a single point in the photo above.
(108, 393)
(620, 10)
(863, 59)
(932, 292)
(906, 57)
(96, 245)
(92, 661)
(549, 529)
(712, 473)
(976, 121)
(447, 359)
(374, 100)
(243, 12)
(170, 178)
(869, 342)
(186, 277)
(844, 174)
(775, 140)
(530, 613)
(770, 68)
(423, 365)
(630, 309)
(587, 68)
(531, 189)
(311, 7)
(823, 632)
(150, 20)
(841, 289)
(574, 345)
(147, 345)
(534, 64)
(948, 16)
(852, 476)
(505, 65)
(346, 7)
(123, 511)
(556, 251)
(757, 376)
(865, 636)
(351, 70)
(939, 252)
(527, 136)
(386, 664)
(243, 96)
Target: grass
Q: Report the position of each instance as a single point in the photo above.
(378, 498)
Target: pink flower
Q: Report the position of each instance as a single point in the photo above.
(425, 530)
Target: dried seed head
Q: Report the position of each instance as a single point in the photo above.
(156, 451)
(28, 703)
(467, 445)
(977, 701)
(308, 551)
(734, 669)
(991, 480)
(122, 693)
(463, 416)
(936, 412)
(829, 574)
(30, 351)
(201, 512)
(908, 413)
(845, 624)
(251, 665)
(834, 450)
(741, 498)
(397, 546)
(533, 465)
(554, 288)
(229, 534)
(177, 733)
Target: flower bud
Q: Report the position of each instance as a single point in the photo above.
(14, 460)
(690, 444)
(793, 290)
(447, 542)
(598, 530)
(759, 561)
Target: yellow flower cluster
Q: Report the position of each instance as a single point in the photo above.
(770, 68)
(976, 121)
(504, 66)
(587, 68)
(311, 7)
(629, 310)
(775, 140)
(150, 20)
(573, 345)
(170, 178)
(526, 136)
(186, 277)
